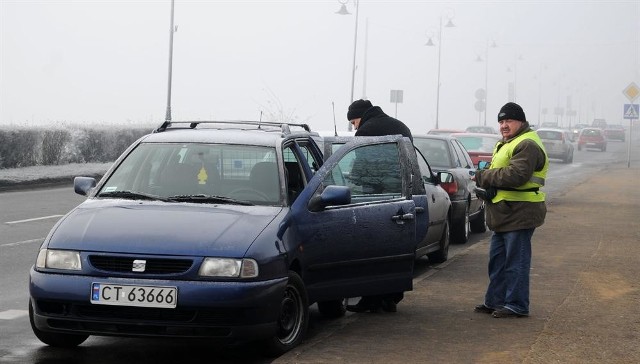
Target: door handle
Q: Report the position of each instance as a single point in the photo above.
(402, 217)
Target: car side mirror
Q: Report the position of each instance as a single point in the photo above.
(483, 165)
(332, 195)
(83, 185)
(444, 177)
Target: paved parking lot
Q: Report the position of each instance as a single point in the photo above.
(585, 293)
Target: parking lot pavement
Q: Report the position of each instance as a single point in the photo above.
(585, 292)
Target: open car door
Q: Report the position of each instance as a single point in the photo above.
(356, 222)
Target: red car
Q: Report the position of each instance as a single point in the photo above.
(478, 145)
(615, 132)
(592, 138)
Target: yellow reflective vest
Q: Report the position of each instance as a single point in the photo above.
(501, 158)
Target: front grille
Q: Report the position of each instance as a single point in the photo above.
(153, 265)
(134, 313)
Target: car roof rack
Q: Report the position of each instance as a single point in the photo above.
(284, 127)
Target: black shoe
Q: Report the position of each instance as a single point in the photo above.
(505, 312)
(366, 304)
(364, 308)
(483, 309)
(389, 306)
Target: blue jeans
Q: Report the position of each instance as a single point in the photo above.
(509, 265)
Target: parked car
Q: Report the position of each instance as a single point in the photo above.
(446, 153)
(436, 244)
(481, 129)
(444, 131)
(557, 143)
(592, 138)
(616, 132)
(229, 231)
(479, 146)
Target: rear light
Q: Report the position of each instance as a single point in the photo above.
(450, 187)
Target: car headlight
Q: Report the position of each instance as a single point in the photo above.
(59, 259)
(231, 268)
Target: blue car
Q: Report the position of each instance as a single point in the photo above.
(229, 231)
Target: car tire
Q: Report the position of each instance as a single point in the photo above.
(293, 318)
(332, 309)
(441, 255)
(459, 230)
(479, 224)
(55, 339)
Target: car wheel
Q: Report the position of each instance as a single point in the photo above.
(460, 228)
(441, 255)
(333, 309)
(55, 339)
(293, 318)
(479, 225)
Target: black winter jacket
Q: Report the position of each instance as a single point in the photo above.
(375, 122)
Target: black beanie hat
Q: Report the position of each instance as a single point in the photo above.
(511, 111)
(357, 109)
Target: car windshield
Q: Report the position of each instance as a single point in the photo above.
(197, 173)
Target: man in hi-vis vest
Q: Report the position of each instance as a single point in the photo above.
(515, 207)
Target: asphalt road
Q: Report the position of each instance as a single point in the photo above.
(27, 215)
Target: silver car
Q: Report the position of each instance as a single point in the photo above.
(557, 143)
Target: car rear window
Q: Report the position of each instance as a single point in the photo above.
(550, 135)
(591, 132)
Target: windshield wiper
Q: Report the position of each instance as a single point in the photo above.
(131, 195)
(208, 199)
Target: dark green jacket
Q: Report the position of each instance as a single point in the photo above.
(514, 215)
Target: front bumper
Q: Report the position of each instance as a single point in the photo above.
(233, 311)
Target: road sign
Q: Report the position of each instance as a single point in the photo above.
(631, 111)
(632, 91)
(397, 96)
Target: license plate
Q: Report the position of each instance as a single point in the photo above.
(132, 295)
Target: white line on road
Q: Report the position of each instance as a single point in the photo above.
(23, 242)
(34, 219)
(13, 314)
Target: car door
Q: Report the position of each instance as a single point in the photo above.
(437, 202)
(365, 246)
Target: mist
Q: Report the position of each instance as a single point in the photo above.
(107, 61)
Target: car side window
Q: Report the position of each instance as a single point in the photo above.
(463, 158)
(425, 170)
(372, 172)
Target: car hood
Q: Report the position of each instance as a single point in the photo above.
(135, 227)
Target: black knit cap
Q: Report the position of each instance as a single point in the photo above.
(511, 111)
(357, 109)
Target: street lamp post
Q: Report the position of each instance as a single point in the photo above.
(343, 11)
(167, 116)
(486, 78)
(430, 43)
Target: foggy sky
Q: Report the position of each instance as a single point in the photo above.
(107, 61)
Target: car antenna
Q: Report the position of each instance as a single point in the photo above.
(335, 129)
(260, 122)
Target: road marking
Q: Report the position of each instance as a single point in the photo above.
(24, 242)
(13, 314)
(34, 219)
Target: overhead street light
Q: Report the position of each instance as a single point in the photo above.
(343, 11)
(430, 43)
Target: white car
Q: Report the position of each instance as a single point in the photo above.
(557, 143)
